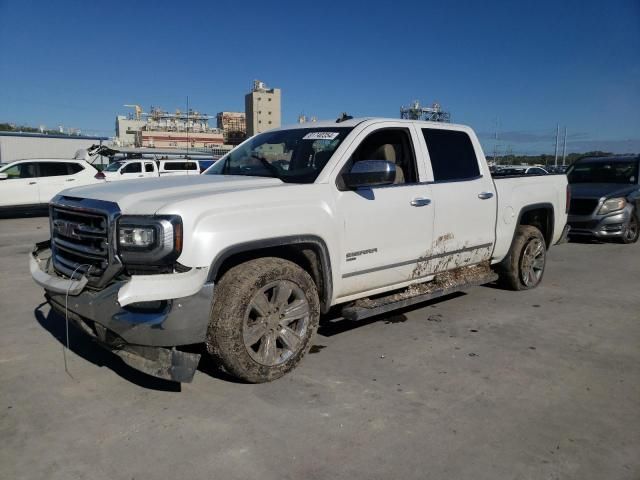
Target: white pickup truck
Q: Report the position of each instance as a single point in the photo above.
(369, 214)
(147, 168)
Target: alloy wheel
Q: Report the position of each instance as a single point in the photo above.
(533, 260)
(276, 322)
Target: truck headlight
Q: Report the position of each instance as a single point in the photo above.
(612, 205)
(136, 237)
(149, 240)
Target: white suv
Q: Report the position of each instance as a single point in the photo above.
(30, 184)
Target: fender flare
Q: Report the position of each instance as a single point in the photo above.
(256, 245)
(537, 206)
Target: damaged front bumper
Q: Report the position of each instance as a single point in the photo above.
(143, 329)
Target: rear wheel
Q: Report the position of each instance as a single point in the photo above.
(265, 313)
(631, 230)
(523, 268)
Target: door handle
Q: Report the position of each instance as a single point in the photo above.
(420, 202)
(32, 183)
(140, 176)
(70, 180)
(485, 195)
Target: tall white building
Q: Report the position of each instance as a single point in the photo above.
(262, 108)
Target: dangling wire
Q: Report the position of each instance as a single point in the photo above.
(66, 315)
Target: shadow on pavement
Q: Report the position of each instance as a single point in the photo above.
(84, 346)
(333, 324)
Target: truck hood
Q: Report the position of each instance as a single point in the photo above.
(599, 190)
(148, 195)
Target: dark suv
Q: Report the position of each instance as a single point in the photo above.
(605, 198)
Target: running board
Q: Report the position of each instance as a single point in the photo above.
(366, 308)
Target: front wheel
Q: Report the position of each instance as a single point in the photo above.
(265, 313)
(523, 268)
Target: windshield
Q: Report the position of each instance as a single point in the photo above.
(604, 171)
(296, 156)
(113, 167)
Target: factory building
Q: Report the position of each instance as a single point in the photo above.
(233, 126)
(161, 129)
(262, 107)
(127, 129)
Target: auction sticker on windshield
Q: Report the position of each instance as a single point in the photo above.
(320, 136)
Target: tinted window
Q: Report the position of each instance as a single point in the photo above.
(604, 171)
(132, 168)
(53, 169)
(21, 170)
(148, 167)
(452, 155)
(74, 168)
(180, 166)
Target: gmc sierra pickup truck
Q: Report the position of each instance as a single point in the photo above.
(365, 214)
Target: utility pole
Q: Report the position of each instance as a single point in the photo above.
(564, 147)
(495, 145)
(557, 135)
(187, 127)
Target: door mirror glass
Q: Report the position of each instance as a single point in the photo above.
(3, 176)
(369, 173)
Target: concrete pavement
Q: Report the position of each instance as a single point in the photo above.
(488, 385)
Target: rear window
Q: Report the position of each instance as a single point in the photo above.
(74, 168)
(180, 166)
(452, 155)
(53, 169)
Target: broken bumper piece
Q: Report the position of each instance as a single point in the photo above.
(143, 334)
(162, 362)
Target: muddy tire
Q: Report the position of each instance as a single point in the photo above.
(523, 268)
(265, 313)
(631, 229)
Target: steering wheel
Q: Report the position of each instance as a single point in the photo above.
(269, 166)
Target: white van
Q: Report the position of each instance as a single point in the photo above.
(145, 168)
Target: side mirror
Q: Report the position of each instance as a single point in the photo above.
(3, 176)
(369, 173)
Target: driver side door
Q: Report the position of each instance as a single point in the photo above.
(387, 229)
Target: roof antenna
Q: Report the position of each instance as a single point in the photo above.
(343, 117)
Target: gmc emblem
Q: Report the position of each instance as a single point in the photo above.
(65, 228)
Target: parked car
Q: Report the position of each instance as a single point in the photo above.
(367, 214)
(517, 170)
(28, 185)
(204, 164)
(145, 168)
(605, 201)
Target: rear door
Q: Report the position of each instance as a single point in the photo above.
(21, 185)
(464, 199)
(53, 177)
(150, 169)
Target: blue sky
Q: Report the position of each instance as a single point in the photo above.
(527, 64)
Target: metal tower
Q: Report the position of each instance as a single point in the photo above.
(434, 113)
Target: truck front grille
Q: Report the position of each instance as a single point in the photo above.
(583, 206)
(80, 242)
